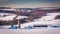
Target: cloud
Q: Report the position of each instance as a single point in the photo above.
(34, 5)
(4, 0)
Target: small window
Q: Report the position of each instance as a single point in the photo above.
(57, 17)
(40, 26)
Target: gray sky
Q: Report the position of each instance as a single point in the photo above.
(30, 3)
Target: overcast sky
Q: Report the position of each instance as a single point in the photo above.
(29, 3)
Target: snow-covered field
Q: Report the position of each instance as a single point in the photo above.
(48, 30)
(31, 31)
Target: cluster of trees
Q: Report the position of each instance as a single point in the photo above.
(35, 13)
(5, 8)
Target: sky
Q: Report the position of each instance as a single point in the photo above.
(29, 3)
